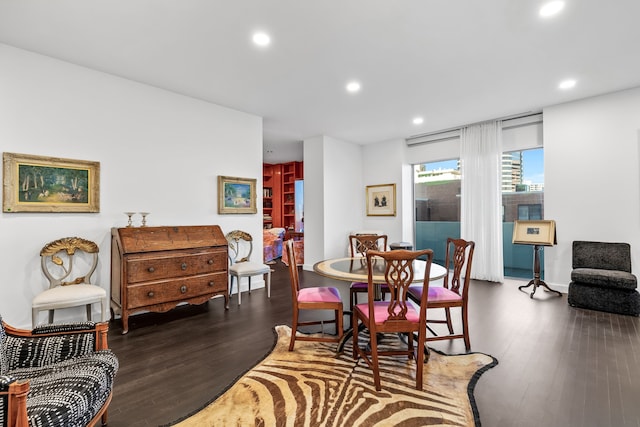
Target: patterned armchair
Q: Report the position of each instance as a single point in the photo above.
(55, 375)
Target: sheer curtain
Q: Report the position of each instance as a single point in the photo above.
(481, 192)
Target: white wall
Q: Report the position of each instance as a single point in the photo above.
(592, 181)
(333, 197)
(384, 165)
(158, 152)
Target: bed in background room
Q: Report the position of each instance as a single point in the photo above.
(272, 239)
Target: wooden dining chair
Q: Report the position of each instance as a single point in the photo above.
(454, 292)
(398, 315)
(312, 298)
(359, 244)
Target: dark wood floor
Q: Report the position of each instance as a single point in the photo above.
(558, 366)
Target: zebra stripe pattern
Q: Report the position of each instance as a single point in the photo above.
(314, 386)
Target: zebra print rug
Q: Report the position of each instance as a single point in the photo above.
(314, 386)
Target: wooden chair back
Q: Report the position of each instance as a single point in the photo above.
(458, 259)
(399, 275)
(360, 244)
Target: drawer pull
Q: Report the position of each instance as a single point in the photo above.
(183, 289)
(184, 266)
(151, 269)
(150, 294)
(211, 283)
(210, 262)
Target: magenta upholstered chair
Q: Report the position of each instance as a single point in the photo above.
(312, 298)
(359, 244)
(454, 292)
(398, 315)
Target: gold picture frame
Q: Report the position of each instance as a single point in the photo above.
(540, 232)
(49, 184)
(236, 195)
(381, 200)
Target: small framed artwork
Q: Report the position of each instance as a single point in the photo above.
(236, 195)
(49, 184)
(541, 232)
(381, 200)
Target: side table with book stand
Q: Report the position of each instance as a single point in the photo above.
(538, 234)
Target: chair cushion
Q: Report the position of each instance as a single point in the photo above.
(436, 294)
(319, 294)
(364, 286)
(604, 278)
(381, 311)
(70, 294)
(249, 269)
(69, 393)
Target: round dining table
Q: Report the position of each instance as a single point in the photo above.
(354, 269)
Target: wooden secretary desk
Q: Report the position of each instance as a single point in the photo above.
(156, 268)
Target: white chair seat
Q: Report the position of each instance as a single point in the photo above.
(69, 282)
(64, 296)
(249, 269)
(240, 249)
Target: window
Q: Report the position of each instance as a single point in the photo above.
(522, 199)
(437, 205)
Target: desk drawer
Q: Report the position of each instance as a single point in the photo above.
(160, 265)
(175, 290)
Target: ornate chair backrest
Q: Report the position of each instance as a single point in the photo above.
(458, 258)
(293, 270)
(240, 246)
(57, 261)
(359, 244)
(399, 275)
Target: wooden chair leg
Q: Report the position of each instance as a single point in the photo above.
(465, 329)
(375, 364)
(449, 323)
(354, 328)
(294, 329)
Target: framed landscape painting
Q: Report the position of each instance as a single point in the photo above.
(236, 195)
(49, 184)
(381, 200)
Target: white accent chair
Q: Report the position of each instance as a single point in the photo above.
(69, 282)
(240, 249)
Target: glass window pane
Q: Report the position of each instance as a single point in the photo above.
(522, 199)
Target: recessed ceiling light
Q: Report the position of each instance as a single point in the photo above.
(353, 87)
(418, 121)
(567, 84)
(261, 39)
(551, 8)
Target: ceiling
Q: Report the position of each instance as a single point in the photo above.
(452, 62)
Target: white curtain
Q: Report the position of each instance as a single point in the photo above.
(481, 192)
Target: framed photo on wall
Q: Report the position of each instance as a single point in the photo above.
(49, 184)
(540, 232)
(236, 195)
(381, 200)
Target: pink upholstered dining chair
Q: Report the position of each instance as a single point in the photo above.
(454, 292)
(398, 315)
(359, 244)
(312, 298)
